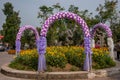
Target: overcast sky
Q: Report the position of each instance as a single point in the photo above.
(29, 8)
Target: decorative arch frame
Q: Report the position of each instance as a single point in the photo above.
(19, 34)
(109, 37)
(101, 25)
(43, 33)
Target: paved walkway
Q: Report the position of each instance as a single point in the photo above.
(5, 58)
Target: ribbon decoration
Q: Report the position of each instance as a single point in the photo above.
(88, 53)
(18, 45)
(42, 44)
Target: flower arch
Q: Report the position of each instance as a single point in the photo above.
(19, 34)
(101, 25)
(109, 37)
(43, 33)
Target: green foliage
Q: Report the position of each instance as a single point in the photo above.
(108, 13)
(56, 60)
(44, 13)
(11, 25)
(28, 38)
(102, 61)
(29, 61)
(64, 31)
(75, 57)
(17, 65)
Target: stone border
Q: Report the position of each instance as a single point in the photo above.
(58, 75)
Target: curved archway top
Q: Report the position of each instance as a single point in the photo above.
(101, 25)
(68, 15)
(21, 30)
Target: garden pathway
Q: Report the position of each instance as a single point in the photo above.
(5, 58)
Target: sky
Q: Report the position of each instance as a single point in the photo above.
(29, 8)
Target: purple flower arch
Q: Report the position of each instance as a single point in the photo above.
(109, 37)
(101, 25)
(45, 27)
(19, 34)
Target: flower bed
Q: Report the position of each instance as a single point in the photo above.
(11, 51)
(63, 58)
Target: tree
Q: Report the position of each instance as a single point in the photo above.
(44, 13)
(57, 7)
(11, 25)
(68, 32)
(75, 28)
(65, 31)
(28, 38)
(108, 13)
(73, 9)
